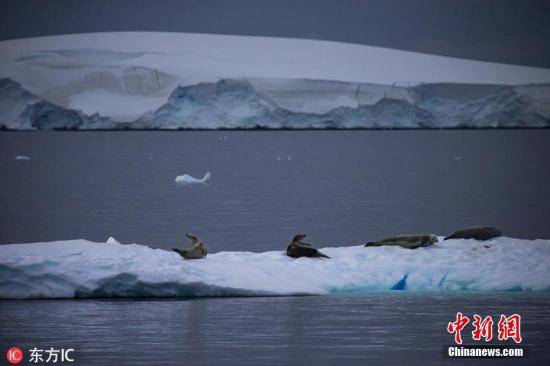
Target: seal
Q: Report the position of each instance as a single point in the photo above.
(297, 249)
(197, 250)
(406, 241)
(476, 232)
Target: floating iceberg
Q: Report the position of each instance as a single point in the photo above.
(84, 269)
(22, 157)
(188, 179)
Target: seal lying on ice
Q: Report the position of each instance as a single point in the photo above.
(197, 250)
(297, 249)
(476, 232)
(406, 241)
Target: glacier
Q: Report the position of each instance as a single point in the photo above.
(301, 104)
(232, 103)
(85, 269)
(156, 80)
(22, 110)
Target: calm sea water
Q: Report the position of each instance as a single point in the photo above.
(377, 329)
(340, 188)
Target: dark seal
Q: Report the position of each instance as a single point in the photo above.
(297, 249)
(476, 232)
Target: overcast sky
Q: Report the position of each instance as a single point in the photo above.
(510, 31)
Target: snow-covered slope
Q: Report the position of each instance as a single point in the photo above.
(80, 268)
(150, 80)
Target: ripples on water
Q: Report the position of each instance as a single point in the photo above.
(340, 187)
(379, 328)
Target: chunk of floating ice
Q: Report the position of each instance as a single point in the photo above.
(112, 240)
(22, 157)
(187, 179)
(80, 268)
(283, 157)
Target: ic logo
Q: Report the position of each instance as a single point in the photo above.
(14, 355)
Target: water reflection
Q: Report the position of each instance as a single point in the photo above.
(394, 327)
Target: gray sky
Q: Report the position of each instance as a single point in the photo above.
(510, 31)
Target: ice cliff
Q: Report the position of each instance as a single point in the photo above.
(22, 110)
(298, 104)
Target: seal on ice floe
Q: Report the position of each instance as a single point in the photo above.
(297, 249)
(476, 232)
(197, 250)
(406, 241)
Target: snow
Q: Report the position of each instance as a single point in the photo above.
(127, 107)
(80, 268)
(100, 72)
(111, 240)
(184, 80)
(255, 103)
(237, 103)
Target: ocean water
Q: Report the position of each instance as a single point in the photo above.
(339, 187)
(392, 328)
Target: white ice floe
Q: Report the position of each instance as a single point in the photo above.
(188, 179)
(80, 268)
(284, 157)
(22, 157)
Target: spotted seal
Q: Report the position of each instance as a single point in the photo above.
(406, 241)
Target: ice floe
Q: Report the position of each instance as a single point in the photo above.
(80, 269)
(22, 157)
(188, 179)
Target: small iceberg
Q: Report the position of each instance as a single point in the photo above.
(188, 179)
(22, 157)
(284, 157)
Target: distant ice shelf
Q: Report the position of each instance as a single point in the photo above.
(155, 80)
(84, 269)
